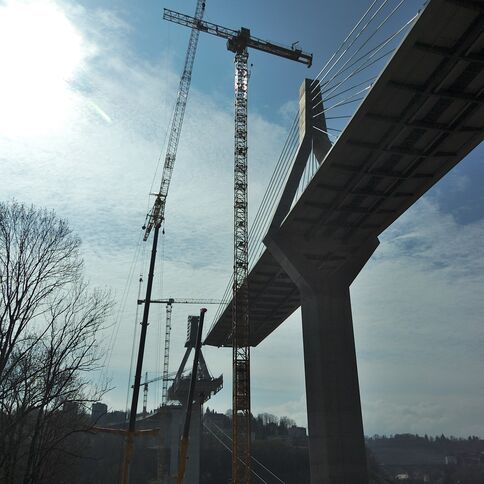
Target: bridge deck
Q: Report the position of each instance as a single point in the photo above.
(423, 115)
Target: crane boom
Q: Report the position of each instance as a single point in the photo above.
(158, 378)
(183, 301)
(233, 37)
(154, 220)
(157, 213)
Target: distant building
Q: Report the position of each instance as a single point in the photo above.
(98, 412)
(450, 460)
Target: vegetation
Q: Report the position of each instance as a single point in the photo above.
(49, 322)
(438, 460)
(278, 445)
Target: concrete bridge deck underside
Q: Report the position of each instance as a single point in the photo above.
(423, 115)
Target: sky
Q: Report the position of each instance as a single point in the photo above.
(86, 94)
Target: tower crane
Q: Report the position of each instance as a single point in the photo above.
(238, 41)
(166, 356)
(145, 391)
(146, 384)
(154, 220)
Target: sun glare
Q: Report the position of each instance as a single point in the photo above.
(40, 51)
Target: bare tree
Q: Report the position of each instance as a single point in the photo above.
(268, 418)
(49, 325)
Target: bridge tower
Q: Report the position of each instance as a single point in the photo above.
(336, 440)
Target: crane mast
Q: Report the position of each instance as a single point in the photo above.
(238, 41)
(145, 395)
(240, 299)
(166, 355)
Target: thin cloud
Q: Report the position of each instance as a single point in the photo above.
(417, 306)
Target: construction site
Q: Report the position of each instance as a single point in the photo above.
(336, 197)
(373, 127)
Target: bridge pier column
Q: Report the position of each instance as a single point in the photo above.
(336, 441)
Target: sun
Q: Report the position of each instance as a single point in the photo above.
(40, 53)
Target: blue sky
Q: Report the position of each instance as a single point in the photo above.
(87, 96)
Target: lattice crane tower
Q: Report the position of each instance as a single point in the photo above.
(238, 41)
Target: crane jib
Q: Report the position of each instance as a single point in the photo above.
(238, 39)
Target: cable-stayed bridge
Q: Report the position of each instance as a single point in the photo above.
(420, 117)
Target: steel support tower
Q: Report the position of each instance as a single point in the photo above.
(240, 306)
(238, 41)
(166, 354)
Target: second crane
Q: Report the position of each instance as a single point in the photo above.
(238, 41)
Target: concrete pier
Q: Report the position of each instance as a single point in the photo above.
(336, 440)
(171, 420)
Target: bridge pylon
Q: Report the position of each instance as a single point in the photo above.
(336, 440)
